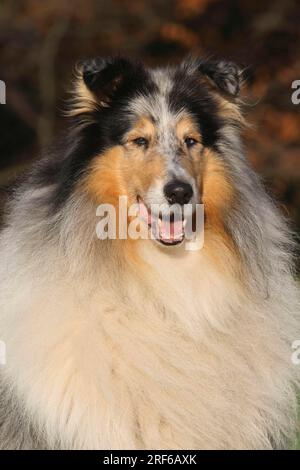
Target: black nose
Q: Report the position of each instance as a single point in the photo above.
(178, 192)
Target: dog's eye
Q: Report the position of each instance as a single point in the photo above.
(190, 142)
(141, 142)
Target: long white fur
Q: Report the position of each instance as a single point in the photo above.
(107, 356)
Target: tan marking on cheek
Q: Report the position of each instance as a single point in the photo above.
(217, 190)
(217, 196)
(105, 182)
(141, 169)
(117, 172)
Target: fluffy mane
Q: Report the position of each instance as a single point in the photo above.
(120, 345)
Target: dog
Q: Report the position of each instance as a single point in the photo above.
(138, 342)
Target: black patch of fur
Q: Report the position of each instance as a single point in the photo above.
(109, 78)
(188, 94)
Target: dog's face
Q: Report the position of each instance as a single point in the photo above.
(157, 134)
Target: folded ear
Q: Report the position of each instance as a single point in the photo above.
(98, 82)
(224, 75)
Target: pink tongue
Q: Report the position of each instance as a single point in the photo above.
(168, 230)
(171, 230)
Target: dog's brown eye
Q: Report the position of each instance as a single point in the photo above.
(141, 142)
(190, 142)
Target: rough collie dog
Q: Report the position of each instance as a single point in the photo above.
(140, 343)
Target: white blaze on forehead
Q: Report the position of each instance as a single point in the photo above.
(163, 79)
(165, 119)
(156, 106)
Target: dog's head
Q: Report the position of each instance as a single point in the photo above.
(156, 136)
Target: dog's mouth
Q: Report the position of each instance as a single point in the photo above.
(168, 230)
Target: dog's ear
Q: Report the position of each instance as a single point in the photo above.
(98, 82)
(226, 76)
(103, 77)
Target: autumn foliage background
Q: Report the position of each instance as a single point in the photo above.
(40, 41)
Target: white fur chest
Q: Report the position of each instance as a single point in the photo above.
(168, 359)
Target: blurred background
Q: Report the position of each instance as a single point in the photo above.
(40, 41)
